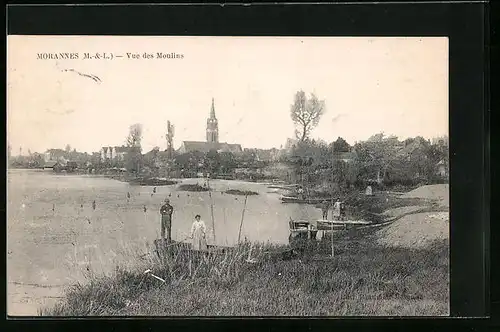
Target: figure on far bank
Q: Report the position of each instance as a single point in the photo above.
(300, 192)
(369, 191)
(198, 234)
(166, 211)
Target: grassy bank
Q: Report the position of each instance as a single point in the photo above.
(362, 279)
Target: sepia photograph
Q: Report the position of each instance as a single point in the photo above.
(227, 176)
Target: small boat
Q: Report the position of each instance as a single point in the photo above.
(309, 228)
(159, 247)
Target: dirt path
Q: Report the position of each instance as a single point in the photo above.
(417, 230)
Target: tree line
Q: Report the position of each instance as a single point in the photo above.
(335, 166)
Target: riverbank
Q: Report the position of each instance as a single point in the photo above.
(374, 271)
(362, 279)
(77, 245)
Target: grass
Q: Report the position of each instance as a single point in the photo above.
(241, 192)
(362, 278)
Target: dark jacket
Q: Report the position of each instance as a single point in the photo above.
(166, 210)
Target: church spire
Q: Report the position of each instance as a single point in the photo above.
(212, 126)
(212, 110)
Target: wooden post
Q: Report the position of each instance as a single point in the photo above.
(242, 217)
(211, 207)
(332, 238)
(332, 207)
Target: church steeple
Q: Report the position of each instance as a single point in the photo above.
(212, 110)
(212, 126)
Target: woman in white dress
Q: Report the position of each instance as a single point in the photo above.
(336, 209)
(198, 234)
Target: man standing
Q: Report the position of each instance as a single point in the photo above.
(166, 211)
(324, 209)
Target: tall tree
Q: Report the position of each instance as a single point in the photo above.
(134, 156)
(377, 153)
(306, 113)
(340, 145)
(134, 137)
(67, 149)
(170, 137)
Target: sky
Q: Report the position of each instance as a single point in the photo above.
(398, 86)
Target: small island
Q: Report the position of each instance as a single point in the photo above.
(241, 192)
(147, 181)
(192, 187)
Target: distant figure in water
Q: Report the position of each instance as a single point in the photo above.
(178, 195)
(53, 207)
(198, 234)
(93, 205)
(81, 205)
(145, 209)
(154, 190)
(128, 196)
(170, 195)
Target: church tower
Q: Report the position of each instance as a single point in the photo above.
(212, 126)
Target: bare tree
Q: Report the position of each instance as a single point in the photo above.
(306, 113)
(133, 141)
(170, 136)
(134, 137)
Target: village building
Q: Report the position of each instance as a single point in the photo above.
(266, 155)
(212, 139)
(114, 152)
(55, 155)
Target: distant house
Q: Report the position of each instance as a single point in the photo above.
(268, 155)
(49, 165)
(115, 152)
(191, 146)
(54, 155)
(441, 170)
(53, 166)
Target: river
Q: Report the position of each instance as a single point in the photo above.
(49, 249)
